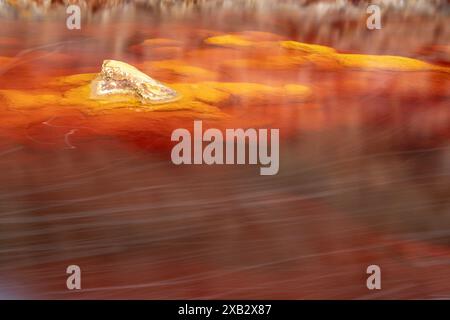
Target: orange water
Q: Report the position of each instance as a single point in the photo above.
(364, 160)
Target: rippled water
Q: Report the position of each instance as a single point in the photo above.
(364, 154)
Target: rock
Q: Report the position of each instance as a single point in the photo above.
(121, 79)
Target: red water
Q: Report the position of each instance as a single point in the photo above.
(364, 162)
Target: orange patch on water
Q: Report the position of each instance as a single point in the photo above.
(245, 79)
